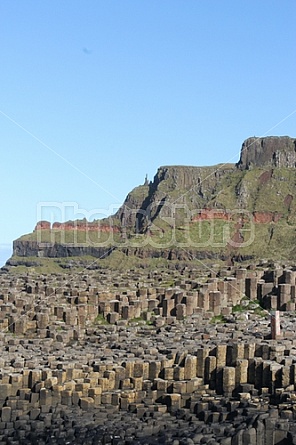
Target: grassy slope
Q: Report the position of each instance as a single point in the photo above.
(245, 190)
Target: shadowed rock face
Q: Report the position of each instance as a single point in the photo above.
(274, 151)
(55, 250)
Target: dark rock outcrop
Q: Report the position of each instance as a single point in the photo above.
(55, 250)
(273, 151)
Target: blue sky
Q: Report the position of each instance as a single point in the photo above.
(96, 94)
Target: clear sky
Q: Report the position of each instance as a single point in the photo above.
(97, 93)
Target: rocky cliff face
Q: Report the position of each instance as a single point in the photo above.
(79, 226)
(256, 183)
(185, 198)
(55, 250)
(172, 186)
(273, 151)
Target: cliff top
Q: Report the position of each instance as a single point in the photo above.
(273, 151)
(221, 164)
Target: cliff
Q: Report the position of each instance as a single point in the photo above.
(273, 151)
(55, 250)
(172, 187)
(262, 182)
(220, 211)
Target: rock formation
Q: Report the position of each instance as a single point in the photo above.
(162, 352)
(254, 199)
(273, 151)
(126, 359)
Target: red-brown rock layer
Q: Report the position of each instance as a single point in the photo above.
(257, 217)
(80, 226)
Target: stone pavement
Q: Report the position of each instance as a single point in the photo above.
(148, 357)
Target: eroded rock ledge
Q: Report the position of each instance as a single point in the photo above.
(272, 151)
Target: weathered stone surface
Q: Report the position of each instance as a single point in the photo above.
(271, 151)
(196, 379)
